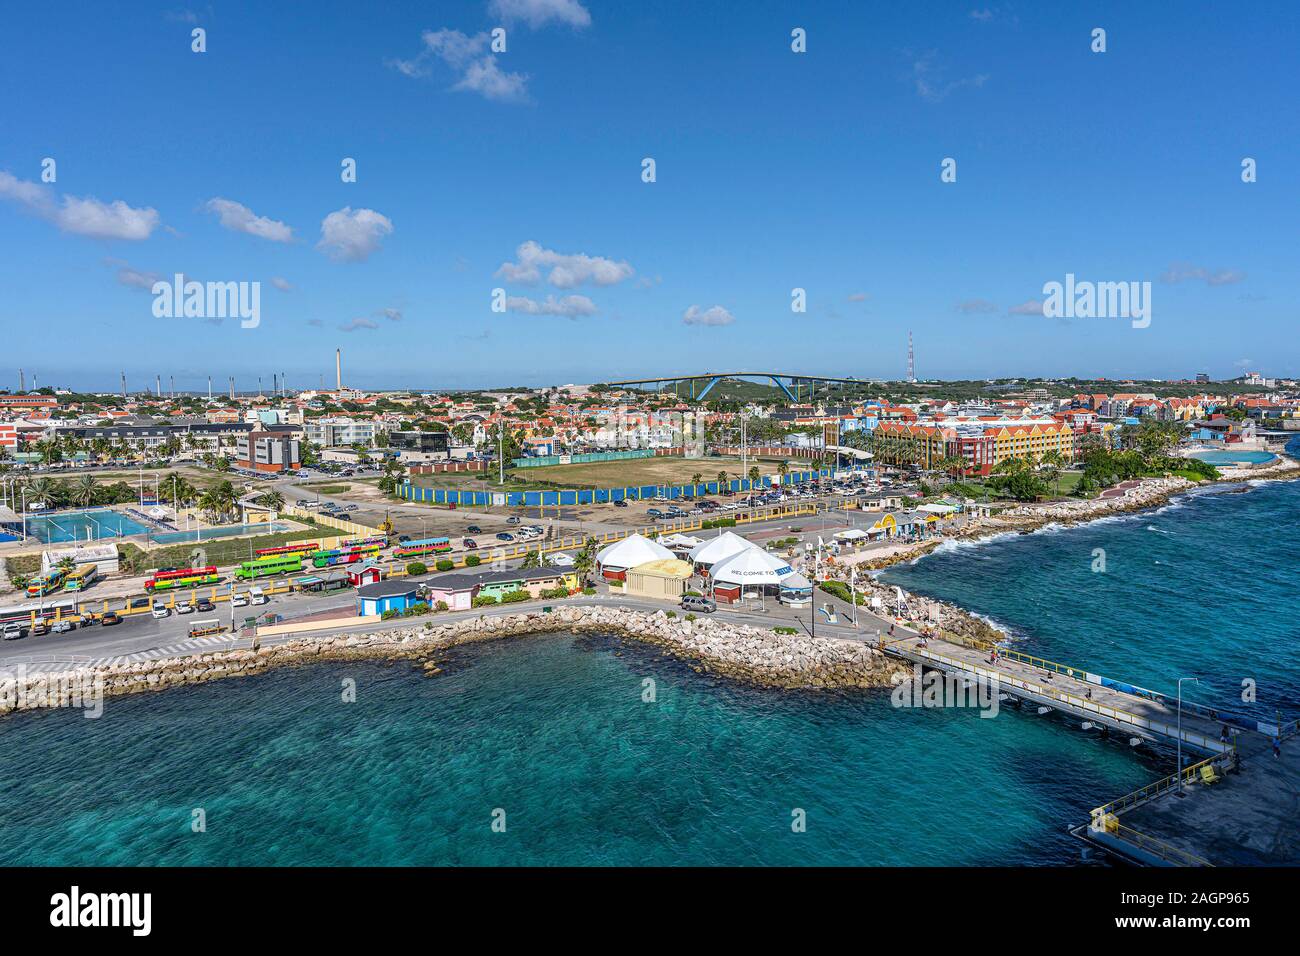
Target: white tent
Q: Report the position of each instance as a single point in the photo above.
(631, 551)
(679, 541)
(852, 534)
(716, 550)
(752, 569)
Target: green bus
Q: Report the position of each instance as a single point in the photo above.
(265, 567)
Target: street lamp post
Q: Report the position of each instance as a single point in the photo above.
(1194, 680)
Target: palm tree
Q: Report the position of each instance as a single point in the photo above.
(83, 490)
(1053, 462)
(783, 470)
(585, 561)
(40, 489)
(273, 500)
(722, 480)
(754, 475)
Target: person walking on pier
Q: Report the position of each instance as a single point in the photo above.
(1277, 746)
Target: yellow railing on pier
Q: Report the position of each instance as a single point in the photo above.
(1159, 848)
(1090, 706)
(1152, 790)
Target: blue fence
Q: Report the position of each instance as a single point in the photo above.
(587, 496)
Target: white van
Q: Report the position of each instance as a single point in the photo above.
(257, 595)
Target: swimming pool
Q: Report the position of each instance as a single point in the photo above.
(82, 526)
(1214, 457)
(207, 534)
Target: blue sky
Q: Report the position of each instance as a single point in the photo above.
(775, 170)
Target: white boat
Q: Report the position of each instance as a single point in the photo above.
(1087, 725)
(1044, 710)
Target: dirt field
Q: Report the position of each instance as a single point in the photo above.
(603, 474)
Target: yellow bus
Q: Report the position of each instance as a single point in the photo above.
(81, 578)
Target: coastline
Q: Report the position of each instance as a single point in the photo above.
(739, 652)
(744, 653)
(1147, 494)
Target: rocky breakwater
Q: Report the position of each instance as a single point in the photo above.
(750, 654)
(1147, 493)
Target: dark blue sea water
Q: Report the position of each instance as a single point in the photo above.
(553, 731)
(1204, 587)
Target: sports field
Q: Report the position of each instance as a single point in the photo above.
(606, 474)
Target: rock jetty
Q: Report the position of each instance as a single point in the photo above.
(750, 654)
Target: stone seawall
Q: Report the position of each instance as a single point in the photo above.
(750, 654)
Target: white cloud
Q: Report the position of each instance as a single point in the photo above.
(971, 306)
(1029, 307)
(393, 315)
(1184, 272)
(239, 218)
(538, 13)
(348, 235)
(358, 324)
(281, 283)
(471, 58)
(316, 322)
(99, 220)
(931, 83)
(858, 297)
(569, 306)
(564, 270)
(716, 315)
(82, 217)
(136, 279)
(485, 77)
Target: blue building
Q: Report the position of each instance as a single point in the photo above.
(385, 596)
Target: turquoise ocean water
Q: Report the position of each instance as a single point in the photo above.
(553, 731)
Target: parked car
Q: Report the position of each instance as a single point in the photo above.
(61, 627)
(473, 529)
(620, 503)
(110, 618)
(654, 513)
(239, 599)
(257, 595)
(205, 605)
(505, 536)
(160, 610)
(403, 537)
(184, 608)
(469, 544)
(139, 604)
(691, 602)
(513, 519)
(13, 631)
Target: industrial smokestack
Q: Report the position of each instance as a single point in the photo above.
(124, 386)
(209, 389)
(22, 382)
(158, 384)
(338, 369)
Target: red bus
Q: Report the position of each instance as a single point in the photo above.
(298, 547)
